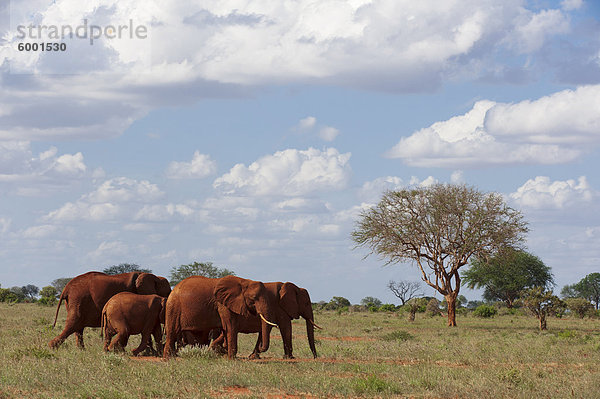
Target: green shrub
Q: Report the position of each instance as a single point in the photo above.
(342, 309)
(373, 384)
(8, 296)
(566, 334)
(579, 306)
(485, 311)
(47, 301)
(433, 307)
(373, 308)
(388, 307)
(462, 311)
(398, 335)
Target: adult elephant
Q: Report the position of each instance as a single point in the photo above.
(199, 304)
(294, 302)
(86, 295)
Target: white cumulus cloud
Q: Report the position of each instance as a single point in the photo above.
(289, 173)
(541, 192)
(553, 129)
(113, 199)
(199, 167)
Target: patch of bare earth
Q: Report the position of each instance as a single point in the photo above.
(234, 390)
(347, 339)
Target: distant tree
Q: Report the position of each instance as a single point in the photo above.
(589, 288)
(48, 295)
(125, 268)
(30, 291)
(579, 306)
(370, 301)
(60, 283)
(439, 228)
(404, 290)
(569, 291)
(19, 293)
(433, 307)
(337, 302)
(6, 295)
(414, 305)
(474, 304)
(506, 274)
(206, 269)
(541, 303)
(49, 292)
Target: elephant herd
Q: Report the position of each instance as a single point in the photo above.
(197, 310)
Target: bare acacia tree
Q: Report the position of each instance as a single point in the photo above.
(439, 228)
(404, 290)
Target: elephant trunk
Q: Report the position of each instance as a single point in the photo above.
(310, 330)
(265, 335)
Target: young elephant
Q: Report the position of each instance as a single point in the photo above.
(128, 314)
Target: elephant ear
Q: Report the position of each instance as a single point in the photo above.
(146, 284)
(229, 292)
(288, 300)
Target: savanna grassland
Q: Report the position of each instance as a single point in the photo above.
(360, 355)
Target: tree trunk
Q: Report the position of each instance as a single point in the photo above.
(509, 303)
(542, 321)
(451, 301)
(411, 315)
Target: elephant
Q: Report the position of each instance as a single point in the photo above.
(293, 302)
(86, 295)
(200, 304)
(128, 314)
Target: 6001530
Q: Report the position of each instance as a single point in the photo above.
(42, 46)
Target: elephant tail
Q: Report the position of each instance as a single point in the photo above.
(102, 324)
(62, 296)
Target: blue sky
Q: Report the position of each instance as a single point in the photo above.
(252, 134)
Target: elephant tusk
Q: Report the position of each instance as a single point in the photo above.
(314, 324)
(267, 321)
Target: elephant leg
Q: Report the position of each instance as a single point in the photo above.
(231, 343)
(286, 337)
(71, 326)
(157, 333)
(107, 338)
(256, 353)
(218, 342)
(79, 338)
(116, 344)
(169, 347)
(143, 343)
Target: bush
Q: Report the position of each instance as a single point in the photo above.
(357, 308)
(373, 308)
(579, 306)
(7, 295)
(398, 335)
(47, 301)
(342, 309)
(371, 301)
(485, 311)
(433, 307)
(337, 302)
(388, 307)
(504, 311)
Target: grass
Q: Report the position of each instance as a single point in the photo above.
(360, 355)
